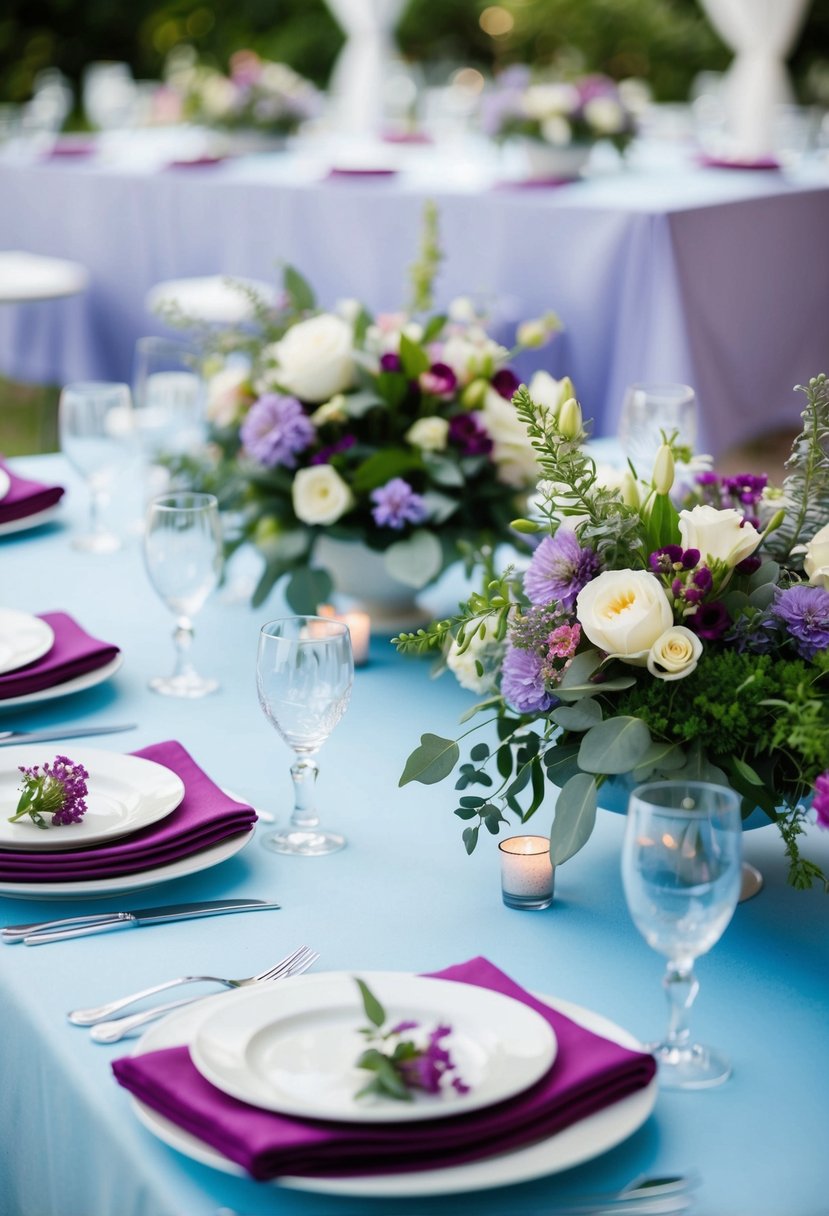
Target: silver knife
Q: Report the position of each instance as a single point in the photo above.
(37, 933)
(8, 737)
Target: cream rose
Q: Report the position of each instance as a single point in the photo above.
(429, 434)
(512, 451)
(546, 390)
(675, 654)
(624, 612)
(816, 561)
(320, 495)
(719, 535)
(315, 358)
(464, 665)
(228, 392)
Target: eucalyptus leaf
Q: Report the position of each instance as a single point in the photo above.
(581, 668)
(443, 470)
(575, 815)
(432, 761)
(359, 403)
(562, 762)
(440, 506)
(746, 771)
(375, 1012)
(381, 467)
(298, 289)
(578, 717)
(413, 357)
(614, 746)
(307, 588)
(416, 560)
(769, 572)
(579, 692)
(762, 597)
(661, 757)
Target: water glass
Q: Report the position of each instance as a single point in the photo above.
(96, 436)
(649, 410)
(681, 862)
(183, 557)
(169, 399)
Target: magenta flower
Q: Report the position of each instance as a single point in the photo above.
(276, 430)
(505, 382)
(390, 362)
(468, 433)
(57, 790)
(439, 381)
(820, 802)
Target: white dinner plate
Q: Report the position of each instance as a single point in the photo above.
(124, 793)
(295, 1050)
(580, 1142)
(23, 638)
(29, 521)
(5, 482)
(78, 684)
(94, 888)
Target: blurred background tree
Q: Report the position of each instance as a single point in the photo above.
(665, 41)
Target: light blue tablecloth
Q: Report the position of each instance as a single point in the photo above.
(715, 278)
(403, 895)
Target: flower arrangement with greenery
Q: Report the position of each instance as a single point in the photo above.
(256, 94)
(558, 113)
(396, 431)
(52, 794)
(658, 631)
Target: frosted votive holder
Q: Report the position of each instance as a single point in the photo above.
(527, 875)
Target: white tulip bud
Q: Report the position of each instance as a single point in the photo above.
(570, 420)
(630, 490)
(663, 469)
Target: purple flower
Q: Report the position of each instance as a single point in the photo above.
(522, 682)
(468, 433)
(505, 382)
(323, 456)
(439, 381)
(702, 578)
(57, 789)
(396, 504)
(673, 557)
(275, 430)
(710, 621)
(747, 488)
(559, 569)
(820, 802)
(390, 362)
(749, 564)
(707, 479)
(805, 613)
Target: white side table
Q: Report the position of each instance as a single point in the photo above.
(27, 277)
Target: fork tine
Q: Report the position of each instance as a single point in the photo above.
(280, 967)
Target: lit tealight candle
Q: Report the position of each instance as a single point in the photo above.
(527, 875)
(359, 626)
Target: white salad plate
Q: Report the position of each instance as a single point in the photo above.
(89, 679)
(23, 638)
(29, 521)
(580, 1142)
(294, 1049)
(124, 793)
(5, 482)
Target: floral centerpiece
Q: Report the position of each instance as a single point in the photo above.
(255, 95)
(394, 431)
(562, 116)
(659, 631)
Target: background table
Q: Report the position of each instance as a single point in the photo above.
(402, 895)
(663, 271)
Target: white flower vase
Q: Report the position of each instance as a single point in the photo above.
(360, 575)
(248, 141)
(545, 162)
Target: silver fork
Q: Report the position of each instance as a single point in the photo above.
(101, 1013)
(113, 1032)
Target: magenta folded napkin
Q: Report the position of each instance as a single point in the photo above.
(74, 653)
(26, 497)
(205, 816)
(588, 1074)
(535, 183)
(721, 162)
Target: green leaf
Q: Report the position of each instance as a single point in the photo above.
(308, 588)
(747, 772)
(662, 524)
(614, 746)
(470, 839)
(762, 596)
(432, 761)
(575, 815)
(413, 358)
(662, 757)
(465, 812)
(433, 328)
(440, 506)
(443, 470)
(581, 668)
(359, 403)
(298, 289)
(381, 467)
(769, 572)
(479, 752)
(392, 387)
(504, 761)
(416, 560)
(476, 709)
(699, 768)
(578, 717)
(562, 762)
(375, 1012)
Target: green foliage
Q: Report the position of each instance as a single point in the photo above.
(807, 485)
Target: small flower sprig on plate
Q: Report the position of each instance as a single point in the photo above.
(400, 1066)
(55, 792)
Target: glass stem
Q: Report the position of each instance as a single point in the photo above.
(183, 640)
(304, 773)
(681, 987)
(97, 502)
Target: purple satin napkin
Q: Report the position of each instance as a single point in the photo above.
(205, 816)
(342, 173)
(74, 653)
(719, 162)
(588, 1074)
(26, 497)
(197, 162)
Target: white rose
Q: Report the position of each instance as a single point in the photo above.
(816, 561)
(315, 358)
(464, 666)
(719, 535)
(605, 115)
(512, 450)
(675, 654)
(226, 394)
(623, 612)
(462, 310)
(557, 131)
(320, 495)
(542, 100)
(472, 354)
(430, 434)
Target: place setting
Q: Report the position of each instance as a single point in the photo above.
(25, 503)
(49, 655)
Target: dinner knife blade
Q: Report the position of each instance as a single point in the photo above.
(74, 926)
(7, 738)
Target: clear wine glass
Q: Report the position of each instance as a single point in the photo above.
(183, 556)
(647, 411)
(96, 435)
(681, 875)
(304, 673)
(169, 404)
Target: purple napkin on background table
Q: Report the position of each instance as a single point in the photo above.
(205, 816)
(26, 497)
(719, 162)
(535, 183)
(588, 1074)
(74, 653)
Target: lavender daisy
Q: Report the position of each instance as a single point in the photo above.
(559, 569)
(276, 430)
(805, 613)
(397, 504)
(522, 681)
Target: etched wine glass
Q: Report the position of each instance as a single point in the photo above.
(183, 556)
(95, 424)
(647, 411)
(681, 875)
(304, 674)
(169, 408)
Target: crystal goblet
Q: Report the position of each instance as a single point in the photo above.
(304, 674)
(681, 875)
(649, 410)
